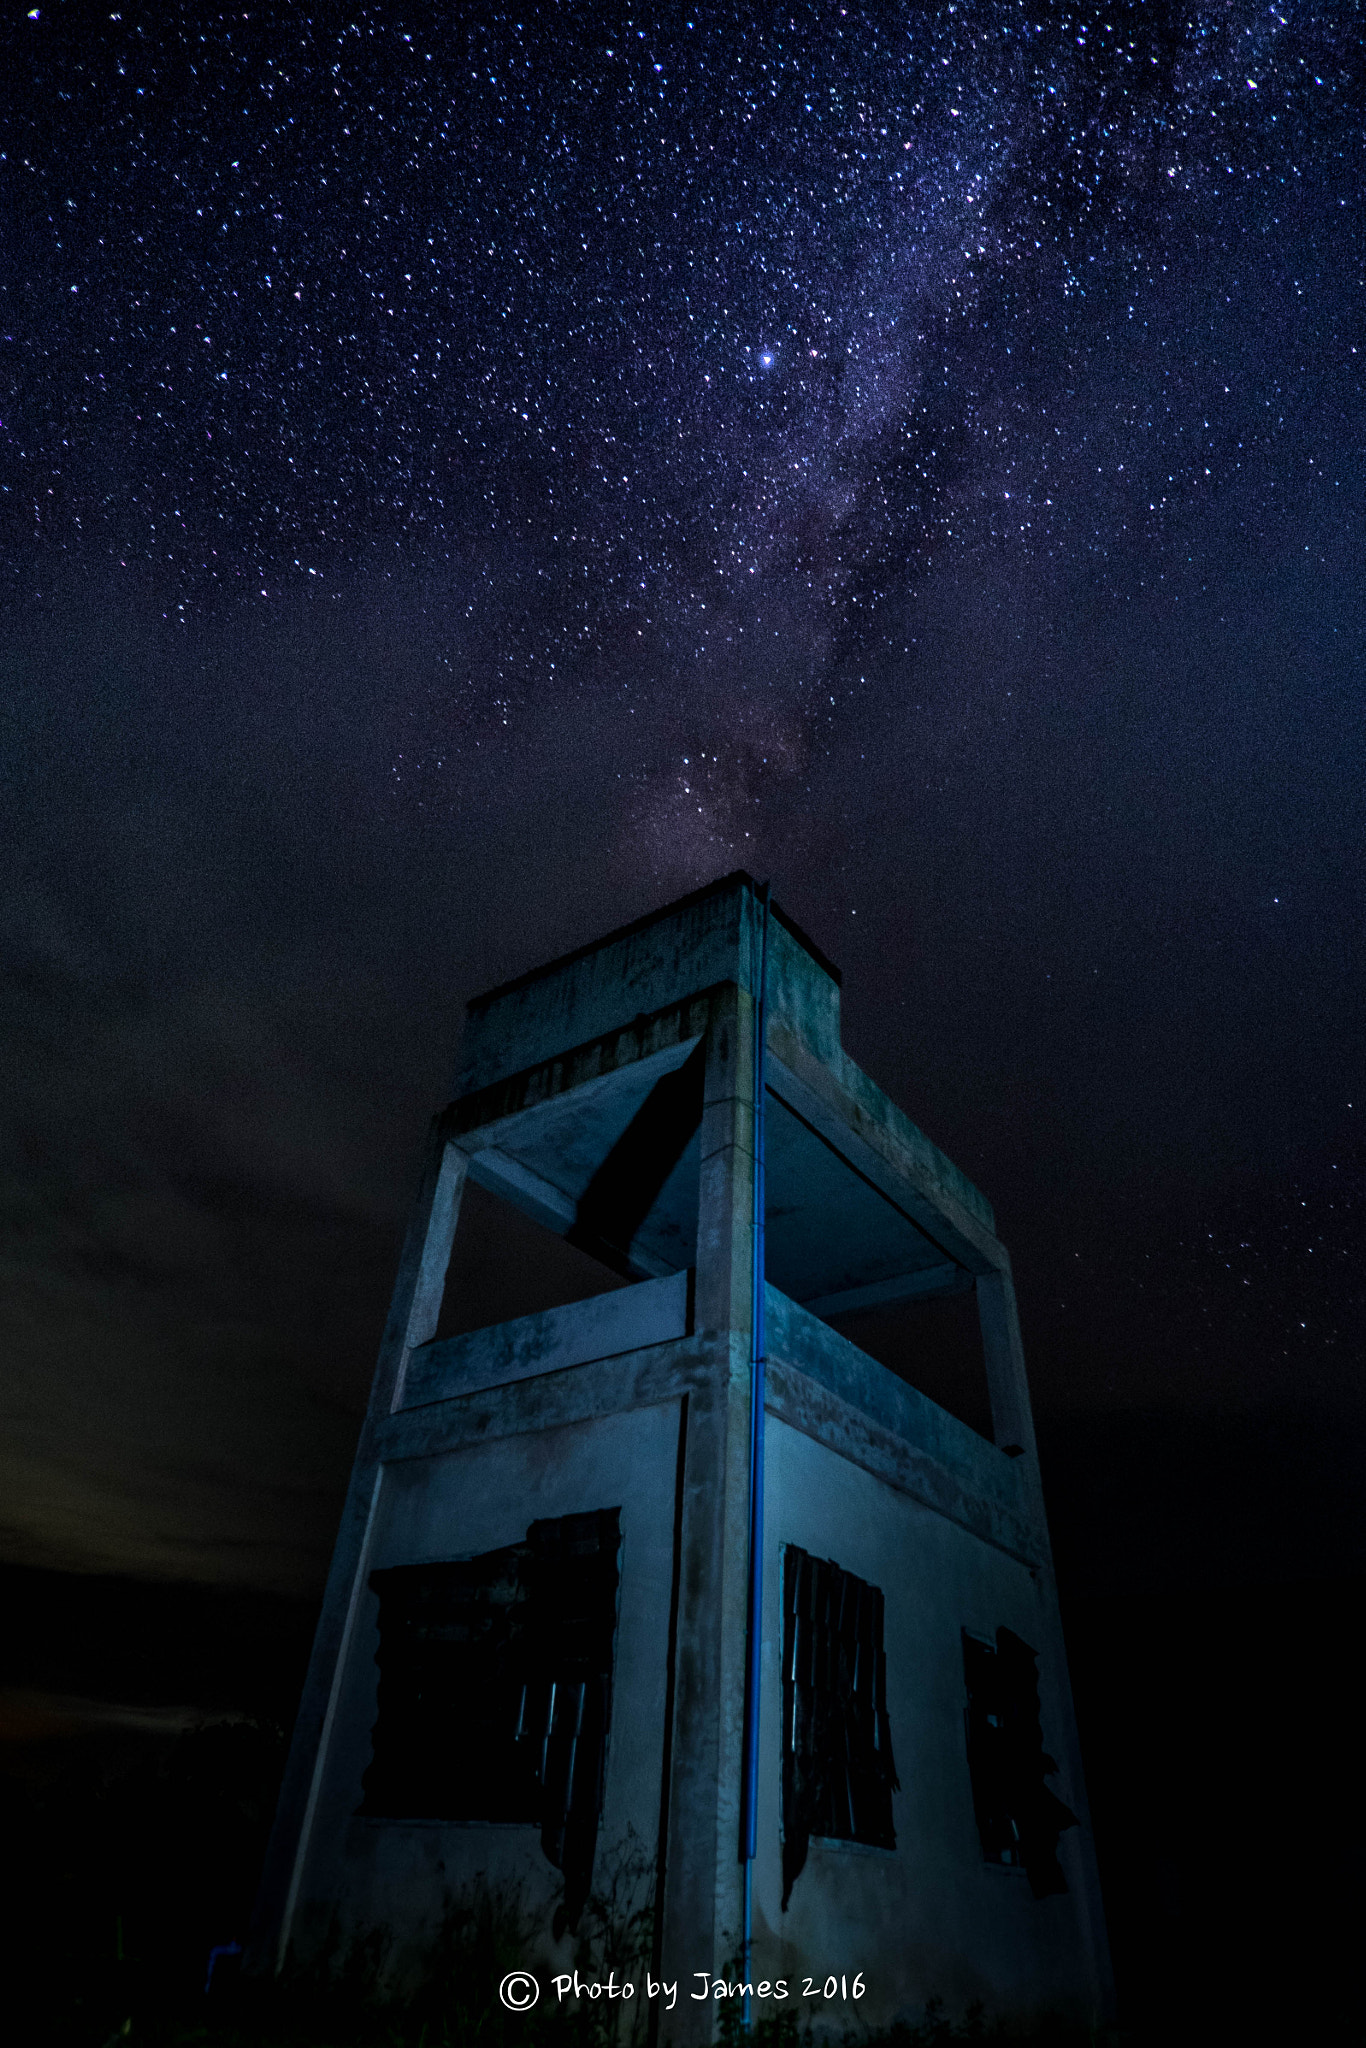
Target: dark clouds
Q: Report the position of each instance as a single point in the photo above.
(415, 567)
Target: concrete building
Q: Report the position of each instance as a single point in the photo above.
(531, 1661)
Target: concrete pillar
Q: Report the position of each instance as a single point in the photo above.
(416, 1306)
(413, 1312)
(702, 1902)
(1012, 1419)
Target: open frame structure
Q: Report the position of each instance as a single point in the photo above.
(610, 1096)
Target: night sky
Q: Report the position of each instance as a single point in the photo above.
(470, 476)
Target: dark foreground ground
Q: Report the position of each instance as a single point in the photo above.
(1222, 1749)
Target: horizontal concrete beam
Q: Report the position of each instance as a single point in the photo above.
(604, 1326)
(818, 1381)
(812, 1407)
(930, 1280)
(797, 1338)
(891, 1432)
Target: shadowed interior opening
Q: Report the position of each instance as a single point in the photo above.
(1019, 1819)
(504, 1264)
(495, 1685)
(935, 1346)
(838, 1774)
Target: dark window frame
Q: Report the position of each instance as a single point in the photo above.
(1019, 1819)
(838, 1770)
(495, 1690)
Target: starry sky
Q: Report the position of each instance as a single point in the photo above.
(468, 476)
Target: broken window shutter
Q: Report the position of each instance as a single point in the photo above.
(838, 1774)
(495, 1689)
(1019, 1819)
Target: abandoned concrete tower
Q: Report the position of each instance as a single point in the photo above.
(544, 1651)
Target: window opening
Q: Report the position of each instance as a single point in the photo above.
(838, 1774)
(505, 1264)
(495, 1690)
(1018, 1819)
(935, 1345)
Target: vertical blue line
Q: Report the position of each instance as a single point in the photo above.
(754, 1642)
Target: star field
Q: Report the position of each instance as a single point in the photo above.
(701, 319)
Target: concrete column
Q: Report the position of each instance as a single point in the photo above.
(1012, 1419)
(413, 1312)
(701, 1907)
(421, 1286)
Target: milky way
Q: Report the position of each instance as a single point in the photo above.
(668, 331)
(469, 475)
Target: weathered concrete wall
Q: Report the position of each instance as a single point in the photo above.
(700, 944)
(459, 1503)
(930, 1917)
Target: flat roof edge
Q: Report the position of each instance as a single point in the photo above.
(738, 878)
